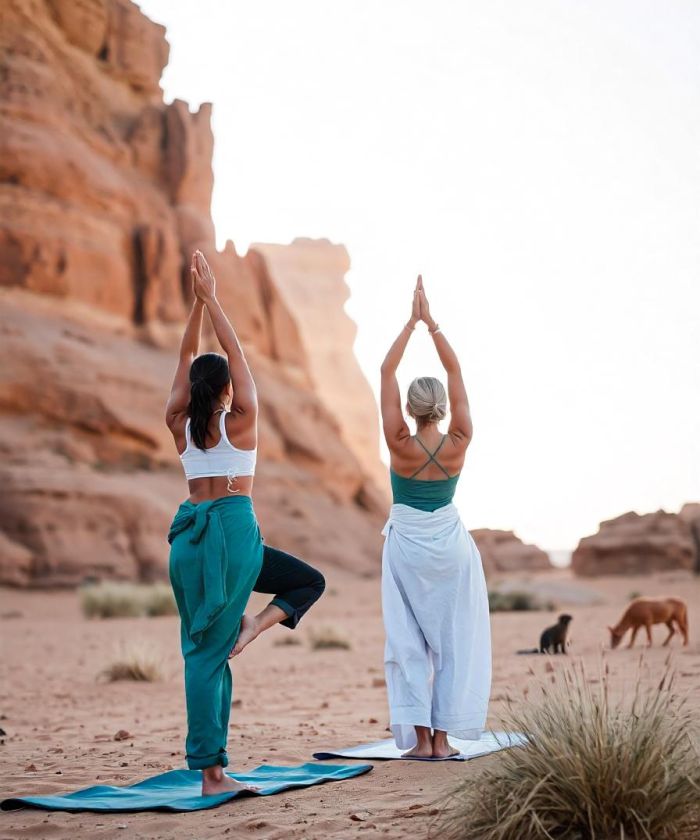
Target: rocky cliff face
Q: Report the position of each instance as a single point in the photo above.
(502, 551)
(640, 544)
(310, 277)
(104, 193)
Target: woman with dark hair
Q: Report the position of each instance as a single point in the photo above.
(217, 557)
(437, 657)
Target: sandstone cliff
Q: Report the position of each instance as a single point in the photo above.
(310, 278)
(502, 551)
(640, 544)
(104, 192)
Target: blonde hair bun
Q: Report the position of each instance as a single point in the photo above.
(427, 399)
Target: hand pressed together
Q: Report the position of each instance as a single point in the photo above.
(202, 277)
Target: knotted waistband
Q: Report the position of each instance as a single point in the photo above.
(209, 535)
(411, 521)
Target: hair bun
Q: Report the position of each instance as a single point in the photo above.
(427, 399)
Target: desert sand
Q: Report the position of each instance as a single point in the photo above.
(289, 702)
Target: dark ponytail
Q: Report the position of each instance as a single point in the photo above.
(209, 375)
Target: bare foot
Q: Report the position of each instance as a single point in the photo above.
(419, 751)
(442, 748)
(249, 632)
(444, 751)
(225, 784)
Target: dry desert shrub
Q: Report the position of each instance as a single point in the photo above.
(110, 600)
(593, 769)
(287, 640)
(127, 600)
(327, 637)
(516, 601)
(158, 599)
(134, 661)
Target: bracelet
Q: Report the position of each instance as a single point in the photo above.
(406, 327)
(435, 330)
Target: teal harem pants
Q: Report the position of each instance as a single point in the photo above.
(217, 558)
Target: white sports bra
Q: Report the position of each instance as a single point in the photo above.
(222, 459)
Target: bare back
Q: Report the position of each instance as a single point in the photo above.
(408, 456)
(242, 433)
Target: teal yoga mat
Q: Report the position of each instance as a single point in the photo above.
(179, 790)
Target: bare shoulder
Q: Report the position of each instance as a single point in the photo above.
(457, 441)
(400, 445)
(177, 423)
(454, 451)
(241, 429)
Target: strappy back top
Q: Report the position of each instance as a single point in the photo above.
(222, 459)
(424, 494)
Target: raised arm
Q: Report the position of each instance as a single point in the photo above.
(245, 398)
(179, 397)
(460, 416)
(396, 429)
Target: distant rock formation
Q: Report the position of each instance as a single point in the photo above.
(104, 193)
(310, 277)
(502, 551)
(640, 544)
(690, 514)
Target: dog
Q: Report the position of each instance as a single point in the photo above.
(643, 612)
(553, 639)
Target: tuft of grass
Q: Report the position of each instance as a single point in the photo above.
(127, 600)
(287, 641)
(517, 601)
(134, 661)
(328, 637)
(592, 768)
(159, 600)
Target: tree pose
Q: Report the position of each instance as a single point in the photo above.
(217, 557)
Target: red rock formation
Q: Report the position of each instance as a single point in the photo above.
(104, 192)
(310, 277)
(502, 551)
(634, 544)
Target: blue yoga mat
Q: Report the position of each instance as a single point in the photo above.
(180, 790)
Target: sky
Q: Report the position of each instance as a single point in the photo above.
(539, 163)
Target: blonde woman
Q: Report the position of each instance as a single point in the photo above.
(434, 600)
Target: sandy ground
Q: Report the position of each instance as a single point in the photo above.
(60, 721)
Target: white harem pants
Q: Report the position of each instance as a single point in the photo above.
(436, 617)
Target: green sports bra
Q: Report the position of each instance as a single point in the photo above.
(419, 493)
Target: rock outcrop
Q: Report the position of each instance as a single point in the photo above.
(640, 544)
(104, 193)
(310, 277)
(503, 551)
(690, 514)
